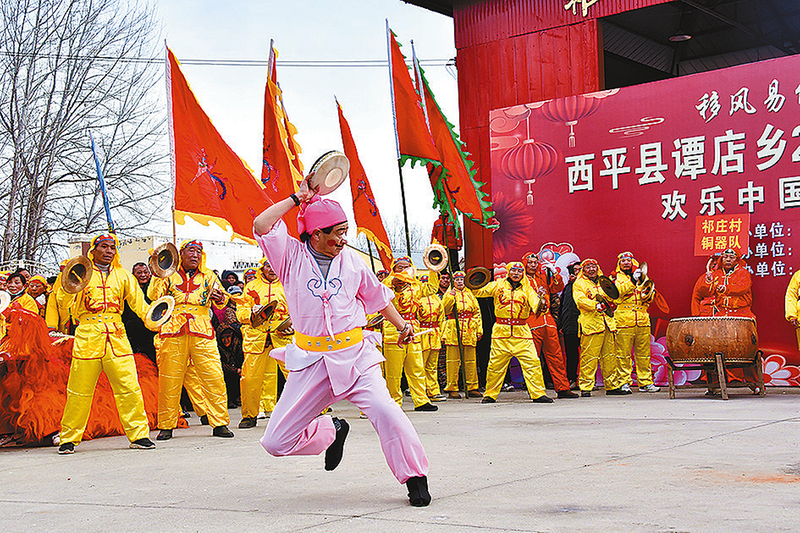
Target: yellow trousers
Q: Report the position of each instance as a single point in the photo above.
(454, 366)
(194, 389)
(636, 339)
(259, 382)
(406, 357)
(500, 356)
(173, 358)
(599, 347)
(121, 373)
(430, 360)
(269, 391)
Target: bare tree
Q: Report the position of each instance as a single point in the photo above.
(395, 230)
(69, 67)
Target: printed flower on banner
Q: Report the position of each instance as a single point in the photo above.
(778, 374)
(510, 239)
(658, 362)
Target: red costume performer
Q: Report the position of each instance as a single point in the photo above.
(451, 240)
(731, 288)
(546, 281)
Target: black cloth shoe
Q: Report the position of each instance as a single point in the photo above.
(566, 394)
(223, 431)
(333, 455)
(67, 447)
(426, 407)
(204, 420)
(143, 444)
(617, 392)
(488, 399)
(186, 414)
(586, 394)
(542, 399)
(164, 434)
(248, 422)
(418, 495)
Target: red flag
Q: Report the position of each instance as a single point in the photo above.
(365, 210)
(211, 182)
(281, 169)
(414, 141)
(453, 183)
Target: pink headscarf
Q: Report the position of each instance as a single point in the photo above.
(319, 213)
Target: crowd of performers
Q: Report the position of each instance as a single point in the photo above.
(327, 310)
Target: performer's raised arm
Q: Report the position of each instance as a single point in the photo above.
(264, 222)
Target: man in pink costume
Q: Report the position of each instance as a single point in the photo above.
(329, 291)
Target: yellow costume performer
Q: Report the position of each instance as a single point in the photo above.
(19, 300)
(57, 313)
(408, 357)
(188, 334)
(514, 300)
(792, 304)
(38, 289)
(633, 323)
(470, 328)
(102, 346)
(260, 371)
(431, 316)
(597, 331)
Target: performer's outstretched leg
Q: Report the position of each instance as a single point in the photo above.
(295, 427)
(399, 440)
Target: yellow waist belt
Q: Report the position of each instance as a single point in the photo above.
(101, 318)
(327, 343)
(191, 309)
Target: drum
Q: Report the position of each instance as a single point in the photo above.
(697, 339)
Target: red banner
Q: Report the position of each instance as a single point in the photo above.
(281, 170)
(631, 168)
(365, 210)
(211, 182)
(714, 235)
(413, 137)
(457, 188)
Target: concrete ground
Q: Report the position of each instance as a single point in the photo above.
(632, 463)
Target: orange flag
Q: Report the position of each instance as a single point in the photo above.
(365, 210)
(414, 141)
(454, 182)
(281, 169)
(211, 182)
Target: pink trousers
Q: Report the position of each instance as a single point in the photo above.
(296, 427)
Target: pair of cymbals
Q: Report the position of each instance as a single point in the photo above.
(328, 172)
(76, 274)
(608, 287)
(435, 257)
(262, 313)
(477, 277)
(159, 312)
(5, 300)
(164, 261)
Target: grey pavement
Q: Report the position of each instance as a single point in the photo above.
(633, 463)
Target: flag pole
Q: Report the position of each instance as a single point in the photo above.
(171, 129)
(405, 210)
(369, 249)
(102, 182)
(397, 139)
(421, 90)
